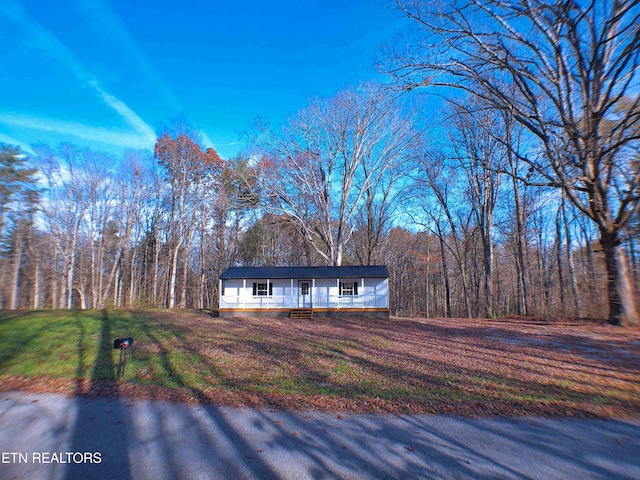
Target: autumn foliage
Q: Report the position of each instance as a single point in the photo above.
(183, 158)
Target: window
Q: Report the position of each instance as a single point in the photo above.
(223, 287)
(304, 287)
(260, 289)
(348, 288)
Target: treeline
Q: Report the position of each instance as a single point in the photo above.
(519, 197)
(84, 230)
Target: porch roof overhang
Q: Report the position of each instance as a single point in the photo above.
(377, 271)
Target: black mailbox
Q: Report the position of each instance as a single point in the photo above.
(123, 342)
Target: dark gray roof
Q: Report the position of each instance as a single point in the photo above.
(306, 272)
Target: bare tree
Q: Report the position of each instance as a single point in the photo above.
(513, 135)
(437, 182)
(63, 211)
(381, 201)
(330, 158)
(189, 171)
(571, 68)
(477, 143)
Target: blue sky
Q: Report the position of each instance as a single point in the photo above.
(106, 73)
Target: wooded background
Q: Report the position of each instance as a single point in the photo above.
(517, 195)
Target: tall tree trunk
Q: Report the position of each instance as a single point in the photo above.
(633, 260)
(521, 262)
(94, 292)
(114, 274)
(202, 279)
(487, 242)
(36, 282)
(132, 278)
(70, 276)
(120, 286)
(102, 294)
(445, 274)
(588, 266)
(542, 274)
(427, 283)
(15, 280)
(572, 270)
(116, 288)
(465, 289)
(559, 257)
(185, 274)
(156, 254)
(53, 280)
(171, 294)
(622, 305)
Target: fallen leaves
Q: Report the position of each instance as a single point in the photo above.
(443, 366)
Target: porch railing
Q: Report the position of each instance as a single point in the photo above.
(258, 301)
(351, 301)
(285, 301)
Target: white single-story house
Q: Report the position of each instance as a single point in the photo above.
(317, 291)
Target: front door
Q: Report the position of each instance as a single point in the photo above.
(304, 294)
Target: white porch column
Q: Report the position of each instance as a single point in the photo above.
(292, 301)
(362, 291)
(375, 294)
(244, 289)
(269, 297)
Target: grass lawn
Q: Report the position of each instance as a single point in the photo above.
(445, 366)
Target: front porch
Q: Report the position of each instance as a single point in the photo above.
(269, 302)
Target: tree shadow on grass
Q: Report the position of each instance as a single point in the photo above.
(464, 387)
(217, 438)
(100, 426)
(240, 446)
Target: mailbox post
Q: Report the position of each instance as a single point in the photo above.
(123, 344)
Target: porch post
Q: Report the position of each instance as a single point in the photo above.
(220, 293)
(244, 289)
(269, 297)
(375, 293)
(291, 299)
(362, 291)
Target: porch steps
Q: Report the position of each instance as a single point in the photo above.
(301, 313)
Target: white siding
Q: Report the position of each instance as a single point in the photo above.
(325, 293)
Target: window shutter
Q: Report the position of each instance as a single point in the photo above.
(355, 288)
(255, 288)
(270, 289)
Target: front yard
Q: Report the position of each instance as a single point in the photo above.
(444, 366)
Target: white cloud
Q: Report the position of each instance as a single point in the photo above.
(114, 137)
(104, 19)
(47, 42)
(125, 112)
